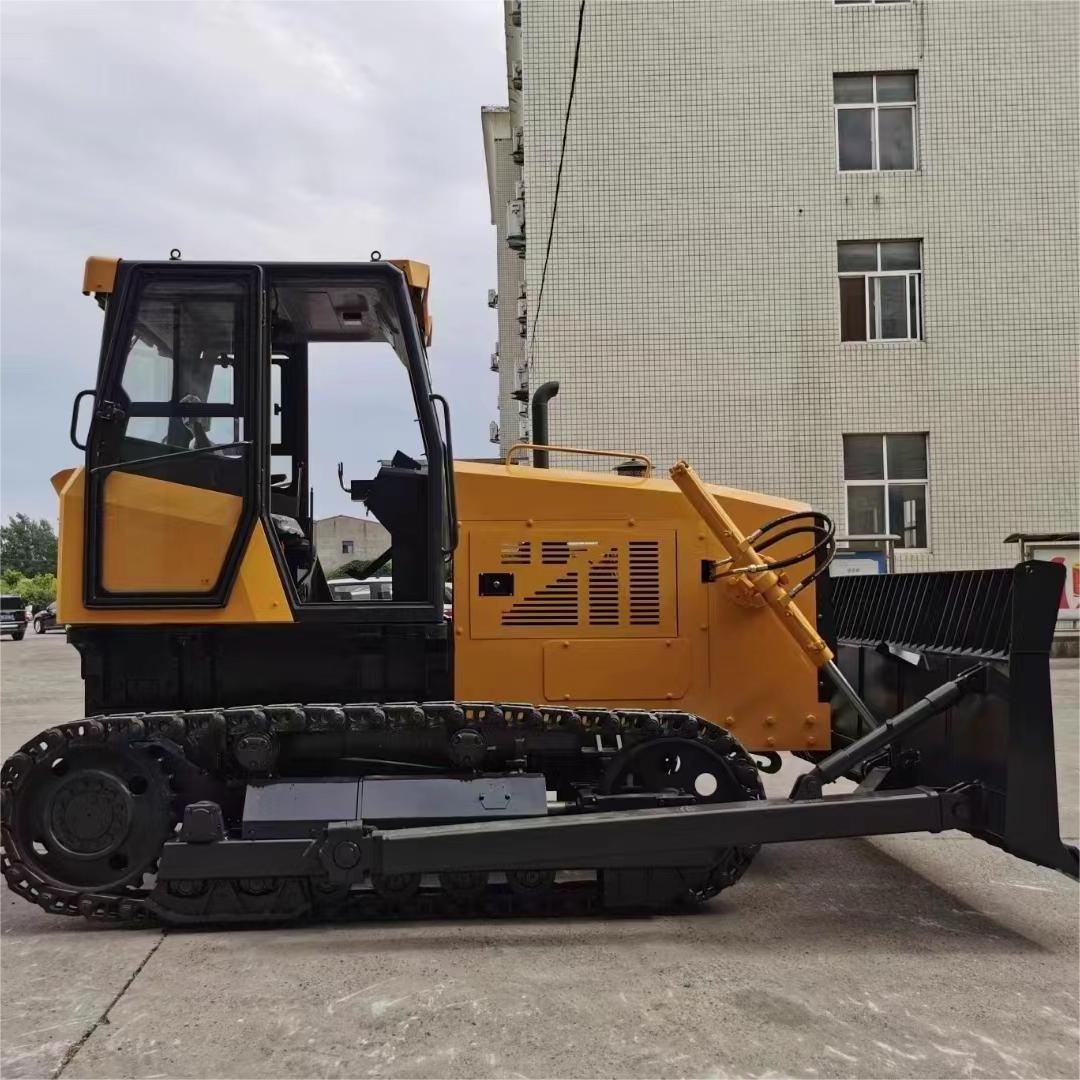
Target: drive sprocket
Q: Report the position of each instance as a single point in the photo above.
(90, 816)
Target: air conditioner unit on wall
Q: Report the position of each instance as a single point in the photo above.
(515, 224)
(521, 381)
(493, 431)
(515, 13)
(495, 360)
(517, 154)
(493, 297)
(516, 80)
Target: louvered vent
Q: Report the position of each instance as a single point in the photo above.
(555, 552)
(604, 590)
(644, 582)
(519, 554)
(553, 605)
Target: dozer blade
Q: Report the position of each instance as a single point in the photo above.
(902, 636)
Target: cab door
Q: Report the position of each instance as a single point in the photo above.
(172, 460)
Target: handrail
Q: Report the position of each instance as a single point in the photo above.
(580, 450)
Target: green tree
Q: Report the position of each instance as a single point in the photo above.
(28, 546)
(38, 591)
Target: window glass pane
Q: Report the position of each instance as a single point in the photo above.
(896, 143)
(853, 309)
(853, 89)
(913, 306)
(182, 352)
(854, 139)
(275, 404)
(865, 510)
(281, 470)
(222, 429)
(892, 296)
(907, 456)
(896, 87)
(148, 372)
(907, 514)
(901, 255)
(862, 459)
(192, 326)
(148, 428)
(856, 255)
(220, 391)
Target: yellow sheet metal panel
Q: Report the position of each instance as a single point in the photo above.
(657, 670)
(581, 578)
(741, 669)
(418, 277)
(258, 595)
(417, 274)
(99, 275)
(158, 536)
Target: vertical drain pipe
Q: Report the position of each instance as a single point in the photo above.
(540, 421)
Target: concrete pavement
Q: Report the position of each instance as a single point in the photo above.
(904, 956)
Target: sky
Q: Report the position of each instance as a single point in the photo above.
(243, 131)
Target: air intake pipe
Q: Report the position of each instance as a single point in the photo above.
(540, 421)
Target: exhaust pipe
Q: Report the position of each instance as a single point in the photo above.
(540, 420)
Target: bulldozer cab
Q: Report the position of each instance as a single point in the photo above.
(200, 436)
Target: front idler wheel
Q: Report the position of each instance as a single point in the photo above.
(712, 771)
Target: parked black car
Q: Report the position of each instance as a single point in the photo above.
(13, 617)
(45, 619)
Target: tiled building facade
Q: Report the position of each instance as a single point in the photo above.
(788, 230)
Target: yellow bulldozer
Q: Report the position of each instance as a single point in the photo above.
(586, 730)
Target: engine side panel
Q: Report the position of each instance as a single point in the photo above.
(585, 589)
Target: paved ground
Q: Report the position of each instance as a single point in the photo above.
(912, 956)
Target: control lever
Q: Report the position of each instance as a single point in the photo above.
(341, 478)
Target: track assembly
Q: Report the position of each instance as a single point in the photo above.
(89, 806)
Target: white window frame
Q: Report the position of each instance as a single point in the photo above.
(877, 107)
(872, 278)
(885, 483)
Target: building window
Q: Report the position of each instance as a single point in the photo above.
(347, 547)
(875, 122)
(880, 290)
(842, 2)
(886, 480)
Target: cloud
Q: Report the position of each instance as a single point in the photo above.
(314, 131)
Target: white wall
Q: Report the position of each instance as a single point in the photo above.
(691, 301)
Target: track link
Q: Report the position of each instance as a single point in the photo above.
(163, 760)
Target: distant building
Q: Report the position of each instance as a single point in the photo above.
(822, 249)
(342, 538)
